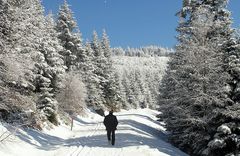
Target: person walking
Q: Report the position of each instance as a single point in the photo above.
(111, 122)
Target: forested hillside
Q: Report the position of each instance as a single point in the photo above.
(139, 79)
(48, 72)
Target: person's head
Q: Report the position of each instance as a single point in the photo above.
(111, 112)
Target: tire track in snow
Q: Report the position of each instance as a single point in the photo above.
(85, 149)
(97, 130)
(80, 143)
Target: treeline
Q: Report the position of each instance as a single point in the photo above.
(46, 69)
(148, 51)
(200, 93)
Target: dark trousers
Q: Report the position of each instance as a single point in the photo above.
(109, 133)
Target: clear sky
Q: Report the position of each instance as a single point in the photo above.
(131, 23)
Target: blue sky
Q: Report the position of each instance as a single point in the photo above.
(131, 23)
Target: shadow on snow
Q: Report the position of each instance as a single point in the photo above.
(147, 136)
(123, 140)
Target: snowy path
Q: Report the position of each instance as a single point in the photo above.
(138, 133)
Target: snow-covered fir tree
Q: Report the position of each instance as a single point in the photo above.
(111, 89)
(99, 59)
(94, 92)
(142, 89)
(83, 62)
(128, 83)
(26, 56)
(66, 28)
(226, 117)
(125, 91)
(16, 80)
(233, 66)
(52, 49)
(100, 63)
(49, 64)
(196, 84)
(5, 27)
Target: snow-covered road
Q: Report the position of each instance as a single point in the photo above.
(138, 134)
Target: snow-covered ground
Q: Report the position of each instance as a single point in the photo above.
(138, 134)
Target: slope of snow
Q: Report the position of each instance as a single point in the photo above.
(138, 133)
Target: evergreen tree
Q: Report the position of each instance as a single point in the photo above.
(225, 117)
(100, 66)
(142, 88)
(66, 27)
(48, 64)
(106, 46)
(195, 87)
(16, 80)
(5, 26)
(233, 67)
(111, 89)
(94, 92)
(26, 51)
(134, 96)
(51, 70)
(99, 58)
(83, 61)
(127, 90)
(153, 88)
(120, 102)
(52, 48)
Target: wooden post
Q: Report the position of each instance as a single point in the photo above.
(71, 123)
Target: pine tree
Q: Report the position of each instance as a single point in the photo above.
(48, 64)
(111, 89)
(33, 43)
(25, 51)
(99, 58)
(119, 96)
(52, 48)
(233, 67)
(125, 90)
(16, 83)
(134, 96)
(126, 82)
(226, 118)
(83, 61)
(5, 26)
(94, 92)
(66, 27)
(142, 88)
(195, 85)
(50, 70)
(100, 66)
(153, 88)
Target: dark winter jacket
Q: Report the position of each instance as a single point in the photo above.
(110, 122)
